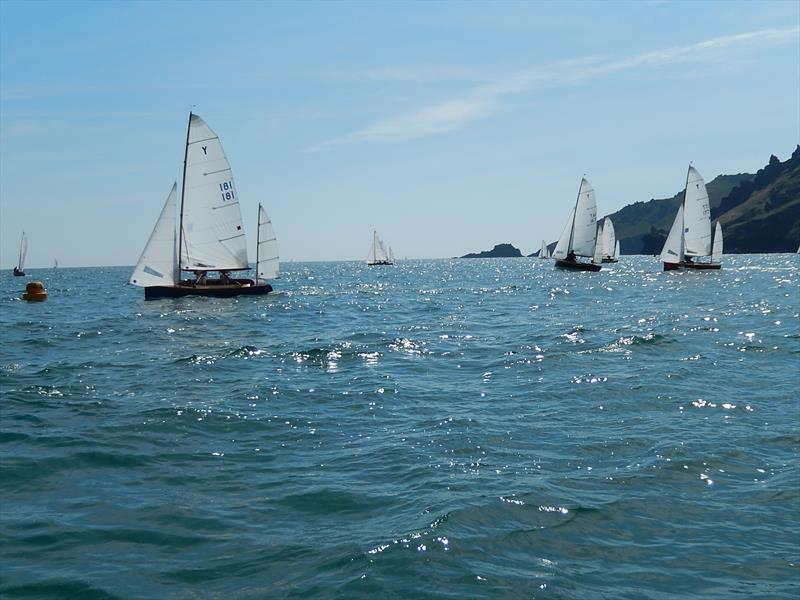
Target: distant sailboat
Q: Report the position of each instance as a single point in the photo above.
(544, 252)
(19, 270)
(608, 242)
(690, 235)
(210, 236)
(378, 254)
(267, 262)
(55, 263)
(580, 233)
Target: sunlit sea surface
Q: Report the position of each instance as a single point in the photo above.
(435, 429)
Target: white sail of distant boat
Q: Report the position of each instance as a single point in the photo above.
(378, 254)
(598, 245)
(209, 232)
(391, 255)
(19, 270)
(544, 252)
(267, 261)
(55, 263)
(580, 233)
(716, 247)
(609, 242)
(158, 263)
(690, 236)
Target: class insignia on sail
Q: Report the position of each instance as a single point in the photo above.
(690, 236)
(209, 237)
(580, 233)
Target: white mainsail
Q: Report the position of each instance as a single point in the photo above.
(543, 253)
(716, 248)
(580, 234)
(609, 239)
(23, 252)
(267, 261)
(391, 255)
(377, 253)
(211, 221)
(673, 251)
(158, 263)
(696, 216)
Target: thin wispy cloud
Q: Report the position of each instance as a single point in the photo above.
(486, 99)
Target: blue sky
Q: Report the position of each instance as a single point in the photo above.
(448, 126)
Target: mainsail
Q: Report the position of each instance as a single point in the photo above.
(609, 239)
(158, 263)
(267, 262)
(23, 252)
(580, 233)
(696, 216)
(211, 221)
(716, 248)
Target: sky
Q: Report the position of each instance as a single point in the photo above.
(447, 126)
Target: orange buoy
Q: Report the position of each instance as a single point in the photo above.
(35, 292)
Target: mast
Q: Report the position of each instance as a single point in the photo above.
(183, 193)
(258, 238)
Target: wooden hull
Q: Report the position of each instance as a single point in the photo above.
(576, 266)
(18, 272)
(214, 289)
(692, 266)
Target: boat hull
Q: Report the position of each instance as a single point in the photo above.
(379, 263)
(236, 287)
(610, 260)
(692, 266)
(576, 266)
(18, 272)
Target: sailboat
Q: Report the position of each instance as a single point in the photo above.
(55, 263)
(580, 233)
(608, 242)
(19, 270)
(209, 234)
(690, 235)
(377, 252)
(544, 252)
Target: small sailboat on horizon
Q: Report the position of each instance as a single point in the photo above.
(209, 234)
(19, 270)
(690, 236)
(378, 255)
(607, 248)
(580, 233)
(544, 252)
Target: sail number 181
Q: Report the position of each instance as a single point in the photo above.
(226, 190)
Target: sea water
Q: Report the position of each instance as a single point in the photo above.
(433, 429)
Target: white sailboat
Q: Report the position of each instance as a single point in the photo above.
(378, 254)
(580, 233)
(608, 242)
(544, 252)
(19, 270)
(267, 261)
(210, 236)
(690, 235)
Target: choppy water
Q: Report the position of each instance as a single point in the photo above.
(438, 429)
